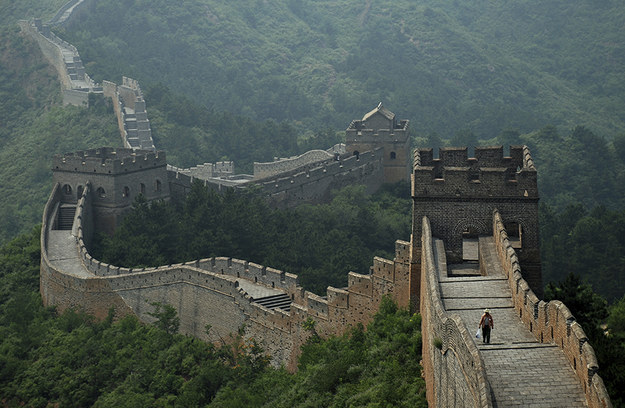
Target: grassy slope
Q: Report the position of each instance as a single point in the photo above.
(481, 65)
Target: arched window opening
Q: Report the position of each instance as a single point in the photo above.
(80, 190)
(126, 192)
(393, 155)
(357, 154)
(101, 192)
(142, 188)
(67, 189)
(157, 186)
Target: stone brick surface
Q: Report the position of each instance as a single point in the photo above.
(521, 371)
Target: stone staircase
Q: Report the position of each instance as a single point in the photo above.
(281, 301)
(65, 219)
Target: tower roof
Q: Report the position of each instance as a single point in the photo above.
(381, 109)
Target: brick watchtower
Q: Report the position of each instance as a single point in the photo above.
(380, 128)
(117, 176)
(458, 194)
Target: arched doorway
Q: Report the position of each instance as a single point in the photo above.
(470, 252)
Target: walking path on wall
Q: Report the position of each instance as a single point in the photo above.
(521, 370)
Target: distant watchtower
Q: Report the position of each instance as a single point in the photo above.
(458, 194)
(380, 128)
(116, 176)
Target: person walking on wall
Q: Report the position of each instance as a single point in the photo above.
(486, 324)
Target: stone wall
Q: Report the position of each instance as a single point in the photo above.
(550, 321)
(58, 288)
(64, 57)
(67, 11)
(459, 193)
(453, 367)
(315, 184)
(208, 292)
(131, 113)
(264, 170)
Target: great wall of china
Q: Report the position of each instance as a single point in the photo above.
(474, 245)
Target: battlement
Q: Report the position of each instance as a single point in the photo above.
(378, 125)
(107, 160)
(132, 116)
(485, 156)
(269, 169)
(357, 132)
(488, 174)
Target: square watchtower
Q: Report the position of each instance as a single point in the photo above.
(459, 194)
(380, 128)
(116, 176)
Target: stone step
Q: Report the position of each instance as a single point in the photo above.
(65, 219)
(281, 301)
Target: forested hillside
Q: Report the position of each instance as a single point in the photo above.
(253, 79)
(72, 361)
(13, 10)
(478, 65)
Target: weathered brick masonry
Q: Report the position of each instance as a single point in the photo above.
(98, 186)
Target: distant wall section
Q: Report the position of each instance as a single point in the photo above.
(130, 110)
(64, 57)
(208, 292)
(263, 170)
(314, 183)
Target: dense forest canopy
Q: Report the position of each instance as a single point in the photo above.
(70, 360)
(12, 11)
(319, 243)
(481, 65)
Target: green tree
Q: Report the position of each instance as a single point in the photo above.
(166, 317)
(589, 308)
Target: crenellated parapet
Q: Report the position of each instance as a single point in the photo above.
(550, 322)
(108, 160)
(459, 193)
(488, 174)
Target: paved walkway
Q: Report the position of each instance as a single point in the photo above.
(522, 371)
(63, 254)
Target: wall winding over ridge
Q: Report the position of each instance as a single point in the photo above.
(262, 170)
(209, 292)
(551, 321)
(453, 367)
(315, 183)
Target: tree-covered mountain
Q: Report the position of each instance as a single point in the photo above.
(480, 65)
(254, 79)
